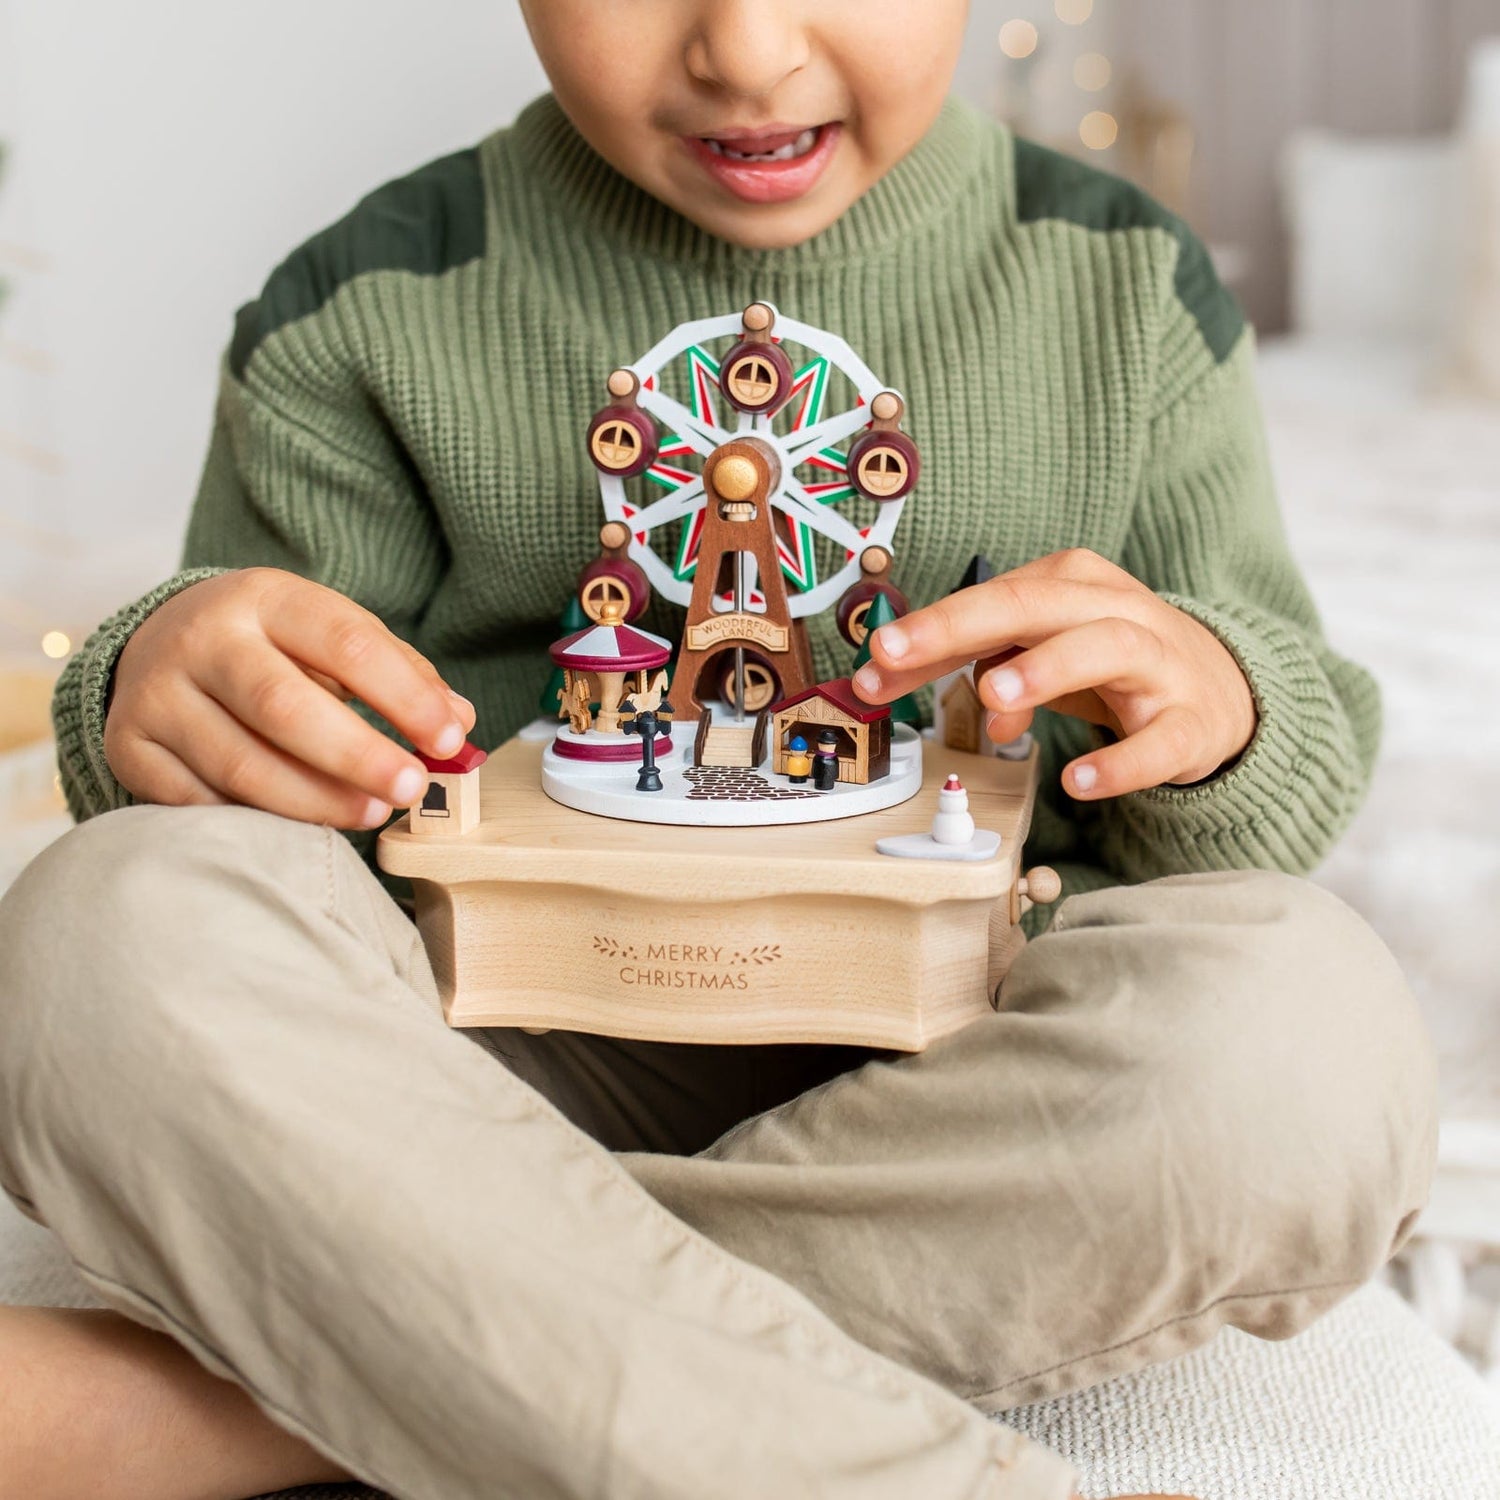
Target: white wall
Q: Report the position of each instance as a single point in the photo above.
(164, 157)
(1249, 73)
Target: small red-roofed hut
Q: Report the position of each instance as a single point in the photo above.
(863, 729)
(450, 806)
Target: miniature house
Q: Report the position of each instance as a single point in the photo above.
(863, 729)
(450, 805)
(960, 721)
(602, 666)
(959, 714)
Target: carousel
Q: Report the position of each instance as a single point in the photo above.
(606, 667)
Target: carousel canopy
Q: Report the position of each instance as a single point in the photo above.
(611, 648)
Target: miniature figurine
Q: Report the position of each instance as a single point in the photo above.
(798, 761)
(952, 835)
(825, 770)
(952, 824)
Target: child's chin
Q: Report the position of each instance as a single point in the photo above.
(776, 226)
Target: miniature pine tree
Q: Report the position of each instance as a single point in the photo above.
(904, 710)
(573, 620)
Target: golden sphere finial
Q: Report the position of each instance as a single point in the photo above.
(735, 477)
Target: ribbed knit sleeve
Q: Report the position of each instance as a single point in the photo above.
(303, 475)
(81, 700)
(1207, 536)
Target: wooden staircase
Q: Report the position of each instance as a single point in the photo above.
(728, 744)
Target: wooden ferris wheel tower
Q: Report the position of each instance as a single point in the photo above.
(748, 521)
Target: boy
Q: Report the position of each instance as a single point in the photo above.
(222, 1078)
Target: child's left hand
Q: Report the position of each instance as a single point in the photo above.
(1075, 633)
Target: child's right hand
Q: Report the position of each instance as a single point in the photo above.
(232, 691)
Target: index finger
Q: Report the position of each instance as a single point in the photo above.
(335, 636)
(1019, 608)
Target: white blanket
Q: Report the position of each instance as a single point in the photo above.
(1391, 491)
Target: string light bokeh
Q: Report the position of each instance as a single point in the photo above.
(1024, 40)
(1018, 39)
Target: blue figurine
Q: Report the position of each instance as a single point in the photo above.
(798, 761)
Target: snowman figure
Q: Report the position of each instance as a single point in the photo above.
(951, 824)
(952, 835)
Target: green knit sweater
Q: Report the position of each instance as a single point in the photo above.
(402, 411)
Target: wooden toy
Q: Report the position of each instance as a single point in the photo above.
(545, 917)
(597, 661)
(597, 873)
(450, 806)
(859, 732)
(953, 835)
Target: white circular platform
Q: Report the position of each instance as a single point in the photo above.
(608, 789)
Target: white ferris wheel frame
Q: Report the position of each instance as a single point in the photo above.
(789, 497)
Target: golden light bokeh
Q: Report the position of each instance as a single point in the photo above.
(1099, 131)
(1093, 72)
(56, 645)
(1018, 39)
(1074, 12)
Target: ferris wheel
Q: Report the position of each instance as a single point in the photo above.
(841, 469)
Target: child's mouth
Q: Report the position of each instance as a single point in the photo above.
(768, 166)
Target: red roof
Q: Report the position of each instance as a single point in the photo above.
(469, 758)
(840, 693)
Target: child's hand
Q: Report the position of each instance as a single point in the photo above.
(1076, 634)
(232, 691)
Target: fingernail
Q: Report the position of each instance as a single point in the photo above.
(867, 681)
(376, 812)
(460, 703)
(408, 786)
(1006, 684)
(450, 740)
(893, 641)
(1084, 778)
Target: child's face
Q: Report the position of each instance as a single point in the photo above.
(842, 89)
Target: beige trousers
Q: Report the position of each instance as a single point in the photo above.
(610, 1270)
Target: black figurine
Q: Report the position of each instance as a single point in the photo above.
(825, 771)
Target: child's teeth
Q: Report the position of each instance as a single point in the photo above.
(800, 147)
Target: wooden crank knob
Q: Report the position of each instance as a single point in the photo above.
(1041, 885)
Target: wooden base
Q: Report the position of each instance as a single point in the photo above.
(547, 917)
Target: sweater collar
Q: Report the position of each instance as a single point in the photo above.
(577, 183)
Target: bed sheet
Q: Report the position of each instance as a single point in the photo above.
(1390, 485)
